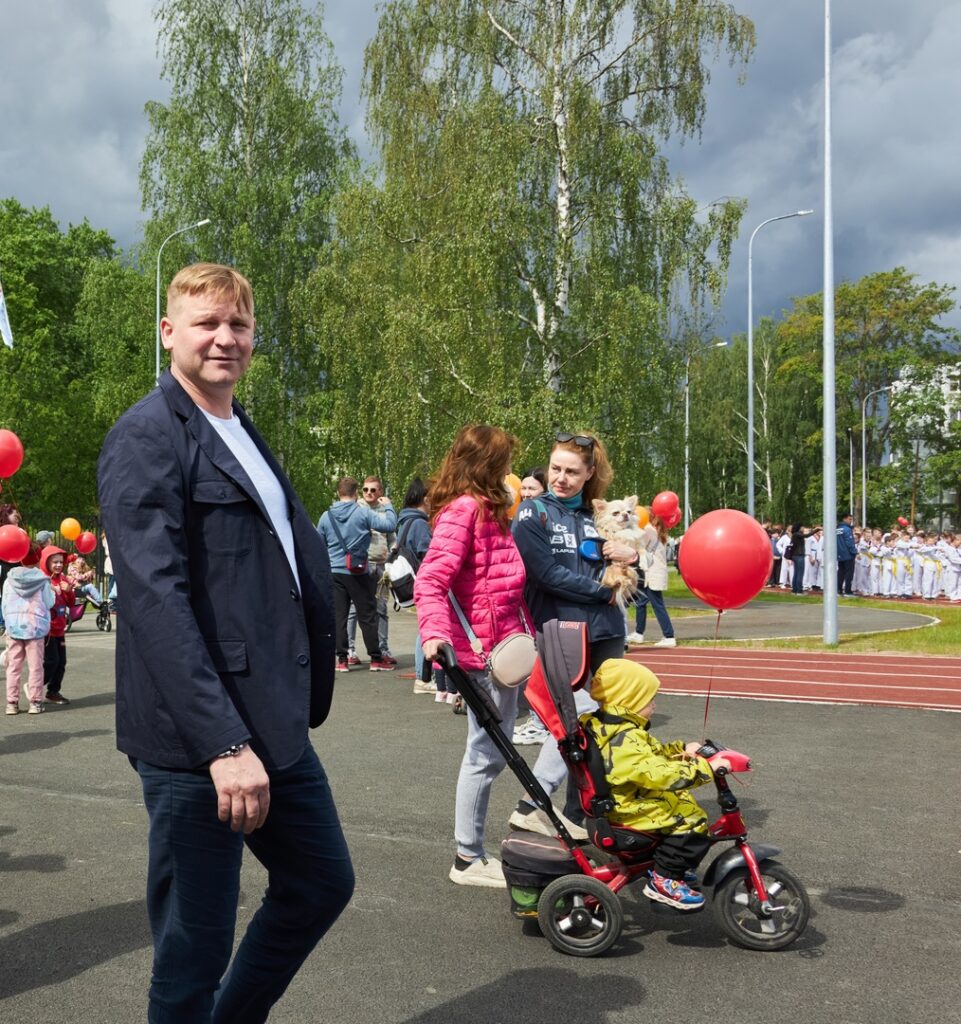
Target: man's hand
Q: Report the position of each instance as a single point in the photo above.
(243, 790)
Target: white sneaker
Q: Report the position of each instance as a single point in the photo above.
(421, 687)
(538, 821)
(667, 641)
(485, 872)
(36, 707)
(440, 697)
(529, 736)
(13, 709)
(635, 638)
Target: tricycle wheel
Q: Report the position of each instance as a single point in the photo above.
(580, 915)
(740, 914)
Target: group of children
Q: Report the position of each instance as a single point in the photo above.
(901, 563)
(37, 597)
(908, 563)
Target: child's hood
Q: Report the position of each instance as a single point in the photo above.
(27, 582)
(48, 552)
(624, 683)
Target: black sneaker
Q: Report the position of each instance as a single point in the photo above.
(56, 698)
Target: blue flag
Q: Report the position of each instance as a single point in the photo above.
(5, 331)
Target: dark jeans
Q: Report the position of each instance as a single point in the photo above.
(679, 853)
(846, 576)
(775, 578)
(361, 591)
(654, 598)
(193, 884)
(54, 663)
(797, 580)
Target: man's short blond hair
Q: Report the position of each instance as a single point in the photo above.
(212, 279)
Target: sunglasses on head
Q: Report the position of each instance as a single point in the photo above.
(579, 439)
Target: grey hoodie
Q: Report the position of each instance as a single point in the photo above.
(27, 600)
(355, 520)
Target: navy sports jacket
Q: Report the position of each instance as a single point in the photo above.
(560, 583)
(215, 643)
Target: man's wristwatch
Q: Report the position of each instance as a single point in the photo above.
(231, 751)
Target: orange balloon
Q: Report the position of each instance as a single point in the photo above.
(643, 516)
(70, 528)
(513, 484)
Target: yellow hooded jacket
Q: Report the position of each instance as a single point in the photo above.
(649, 780)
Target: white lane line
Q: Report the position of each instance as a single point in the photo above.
(799, 699)
(811, 682)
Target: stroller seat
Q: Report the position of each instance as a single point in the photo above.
(562, 668)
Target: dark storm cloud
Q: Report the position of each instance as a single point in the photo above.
(896, 86)
(75, 77)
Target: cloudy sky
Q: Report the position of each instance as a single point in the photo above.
(75, 76)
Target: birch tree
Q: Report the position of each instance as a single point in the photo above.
(248, 138)
(513, 256)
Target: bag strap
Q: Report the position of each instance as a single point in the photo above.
(475, 645)
(333, 522)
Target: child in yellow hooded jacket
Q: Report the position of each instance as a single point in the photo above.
(650, 781)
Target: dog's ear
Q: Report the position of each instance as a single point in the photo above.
(631, 502)
(599, 504)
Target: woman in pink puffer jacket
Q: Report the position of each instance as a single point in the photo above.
(473, 555)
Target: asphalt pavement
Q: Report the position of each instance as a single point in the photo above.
(863, 801)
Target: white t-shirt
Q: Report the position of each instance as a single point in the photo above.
(265, 482)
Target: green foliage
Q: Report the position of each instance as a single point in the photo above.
(46, 396)
(249, 139)
(516, 259)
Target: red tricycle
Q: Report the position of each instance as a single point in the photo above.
(572, 890)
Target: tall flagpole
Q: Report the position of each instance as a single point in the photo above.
(830, 510)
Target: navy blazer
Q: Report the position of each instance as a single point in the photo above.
(216, 644)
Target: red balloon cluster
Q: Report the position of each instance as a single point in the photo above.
(14, 543)
(725, 558)
(666, 507)
(11, 453)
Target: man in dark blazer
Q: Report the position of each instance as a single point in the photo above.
(225, 658)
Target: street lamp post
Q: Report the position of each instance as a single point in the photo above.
(864, 454)
(179, 231)
(750, 352)
(687, 434)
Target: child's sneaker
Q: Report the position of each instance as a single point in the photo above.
(36, 707)
(672, 892)
(13, 709)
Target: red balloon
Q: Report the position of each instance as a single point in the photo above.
(11, 453)
(14, 543)
(725, 558)
(673, 519)
(85, 543)
(902, 521)
(664, 504)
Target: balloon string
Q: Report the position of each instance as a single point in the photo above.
(710, 677)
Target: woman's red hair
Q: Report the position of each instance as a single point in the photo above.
(476, 464)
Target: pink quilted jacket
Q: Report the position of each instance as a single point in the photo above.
(469, 555)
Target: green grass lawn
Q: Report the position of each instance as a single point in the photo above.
(943, 638)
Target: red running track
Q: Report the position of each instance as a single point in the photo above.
(800, 676)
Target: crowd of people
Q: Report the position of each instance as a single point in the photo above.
(901, 562)
(236, 612)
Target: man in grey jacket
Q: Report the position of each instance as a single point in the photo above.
(346, 527)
